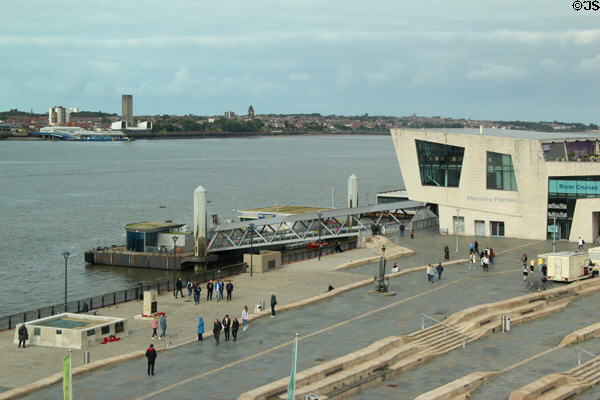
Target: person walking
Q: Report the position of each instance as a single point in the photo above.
(245, 317)
(229, 289)
(524, 259)
(492, 256)
(154, 326)
(580, 243)
(446, 252)
(221, 287)
(532, 264)
(209, 290)
(197, 291)
(151, 356)
(476, 247)
(217, 330)
(412, 232)
(525, 272)
(472, 261)
(200, 329)
(273, 303)
(179, 287)
(163, 326)
(430, 273)
(226, 326)
(402, 230)
(234, 328)
(471, 247)
(23, 335)
(190, 288)
(440, 269)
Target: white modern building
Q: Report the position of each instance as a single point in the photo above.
(59, 115)
(505, 183)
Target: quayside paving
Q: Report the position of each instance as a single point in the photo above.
(328, 329)
(495, 353)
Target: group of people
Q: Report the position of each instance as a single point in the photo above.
(530, 267)
(486, 256)
(194, 289)
(412, 231)
(218, 287)
(431, 270)
(163, 326)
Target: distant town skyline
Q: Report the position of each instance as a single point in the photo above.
(495, 60)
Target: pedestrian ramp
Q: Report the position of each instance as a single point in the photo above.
(393, 355)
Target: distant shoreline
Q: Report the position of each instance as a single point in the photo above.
(223, 135)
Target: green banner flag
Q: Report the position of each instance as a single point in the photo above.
(67, 378)
(292, 384)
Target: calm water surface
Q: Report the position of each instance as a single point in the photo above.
(60, 196)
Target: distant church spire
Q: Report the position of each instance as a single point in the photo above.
(251, 111)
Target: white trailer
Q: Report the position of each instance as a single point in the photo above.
(568, 266)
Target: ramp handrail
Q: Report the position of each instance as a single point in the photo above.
(464, 335)
(579, 350)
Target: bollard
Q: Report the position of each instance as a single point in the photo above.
(86, 357)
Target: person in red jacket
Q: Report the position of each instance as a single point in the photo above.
(151, 356)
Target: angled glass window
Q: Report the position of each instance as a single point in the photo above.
(500, 172)
(439, 164)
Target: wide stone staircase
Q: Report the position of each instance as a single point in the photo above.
(343, 376)
(559, 386)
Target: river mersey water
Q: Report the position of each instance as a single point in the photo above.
(75, 196)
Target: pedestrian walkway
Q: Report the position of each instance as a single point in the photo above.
(328, 329)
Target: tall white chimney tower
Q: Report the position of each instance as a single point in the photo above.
(200, 221)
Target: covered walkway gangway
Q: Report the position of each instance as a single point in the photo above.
(327, 224)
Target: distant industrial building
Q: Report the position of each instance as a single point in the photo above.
(127, 124)
(59, 115)
(127, 108)
(228, 114)
(520, 184)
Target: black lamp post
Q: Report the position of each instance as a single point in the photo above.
(66, 255)
(319, 241)
(251, 248)
(174, 262)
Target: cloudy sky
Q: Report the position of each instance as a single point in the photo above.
(494, 59)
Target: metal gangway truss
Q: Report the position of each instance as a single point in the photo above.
(299, 228)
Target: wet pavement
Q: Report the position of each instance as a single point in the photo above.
(327, 329)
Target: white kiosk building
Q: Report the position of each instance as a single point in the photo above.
(505, 183)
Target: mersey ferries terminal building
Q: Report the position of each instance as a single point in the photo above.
(505, 183)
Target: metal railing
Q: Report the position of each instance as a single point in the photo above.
(464, 335)
(120, 296)
(579, 351)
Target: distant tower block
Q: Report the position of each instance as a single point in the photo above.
(200, 222)
(127, 105)
(352, 191)
(251, 112)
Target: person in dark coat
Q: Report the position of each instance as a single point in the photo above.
(23, 335)
(440, 269)
(446, 252)
(229, 288)
(197, 290)
(273, 303)
(234, 328)
(217, 330)
(179, 287)
(151, 356)
(209, 290)
(226, 326)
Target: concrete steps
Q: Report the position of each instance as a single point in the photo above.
(560, 386)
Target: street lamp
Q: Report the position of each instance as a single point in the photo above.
(175, 237)
(554, 234)
(319, 241)
(251, 226)
(66, 255)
